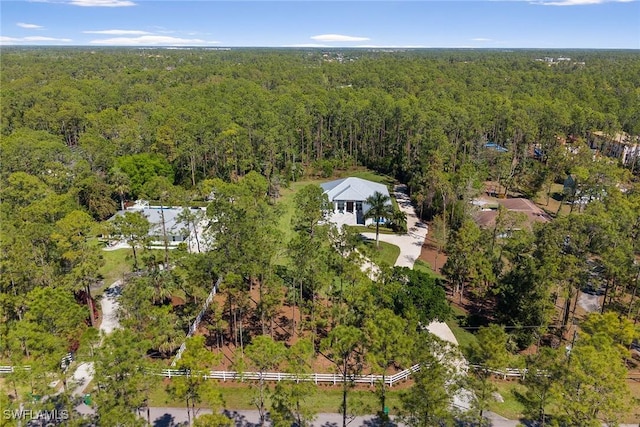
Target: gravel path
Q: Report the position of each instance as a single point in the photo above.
(589, 302)
(109, 303)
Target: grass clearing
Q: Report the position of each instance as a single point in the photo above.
(372, 229)
(424, 267)
(286, 201)
(511, 407)
(386, 254)
(552, 204)
(116, 264)
(238, 396)
(464, 337)
(327, 399)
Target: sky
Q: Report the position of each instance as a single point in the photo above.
(496, 24)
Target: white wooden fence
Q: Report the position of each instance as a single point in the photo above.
(64, 365)
(282, 376)
(12, 369)
(316, 378)
(194, 326)
(323, 378)
(507, 373)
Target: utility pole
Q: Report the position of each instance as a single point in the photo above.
(570, 349)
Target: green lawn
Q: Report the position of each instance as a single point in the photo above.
(551, 205)
(325, 399)
(464, 337)
(286, 203)
(423, 267)
(371, 229)
(386, 254)
(116, 264)
(511, 407)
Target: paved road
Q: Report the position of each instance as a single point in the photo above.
(166, 417)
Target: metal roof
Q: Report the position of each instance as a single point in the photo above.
(353, 189)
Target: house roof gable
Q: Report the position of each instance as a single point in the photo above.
(352, 188)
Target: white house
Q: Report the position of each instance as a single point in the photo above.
(176, 230)
(621, 146)
(348, 197)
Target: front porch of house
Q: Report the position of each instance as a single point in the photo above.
(348, 212)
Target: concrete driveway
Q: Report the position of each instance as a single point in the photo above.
(410, 244)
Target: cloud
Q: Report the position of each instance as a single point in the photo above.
(119, 32)
(480, 39)
(307, 45)
(578, 2)
(31, 39)
(151, 40)
(102, 3)
(29, 26)
(338, 38)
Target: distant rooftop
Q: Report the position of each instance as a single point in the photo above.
(486, 217)
(496, 147)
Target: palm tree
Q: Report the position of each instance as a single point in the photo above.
(120, 183)
(399, 221)
(380, 208)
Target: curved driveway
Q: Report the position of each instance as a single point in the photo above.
(410, 245)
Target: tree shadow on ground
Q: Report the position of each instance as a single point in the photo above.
(240, 420)
(165, 420)
(379, 422)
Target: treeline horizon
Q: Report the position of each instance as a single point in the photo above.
(225, 113)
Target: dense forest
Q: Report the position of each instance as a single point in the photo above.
(226, 113)
(85, 130)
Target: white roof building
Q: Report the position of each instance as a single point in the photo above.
(176, 230)
(348, 197)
